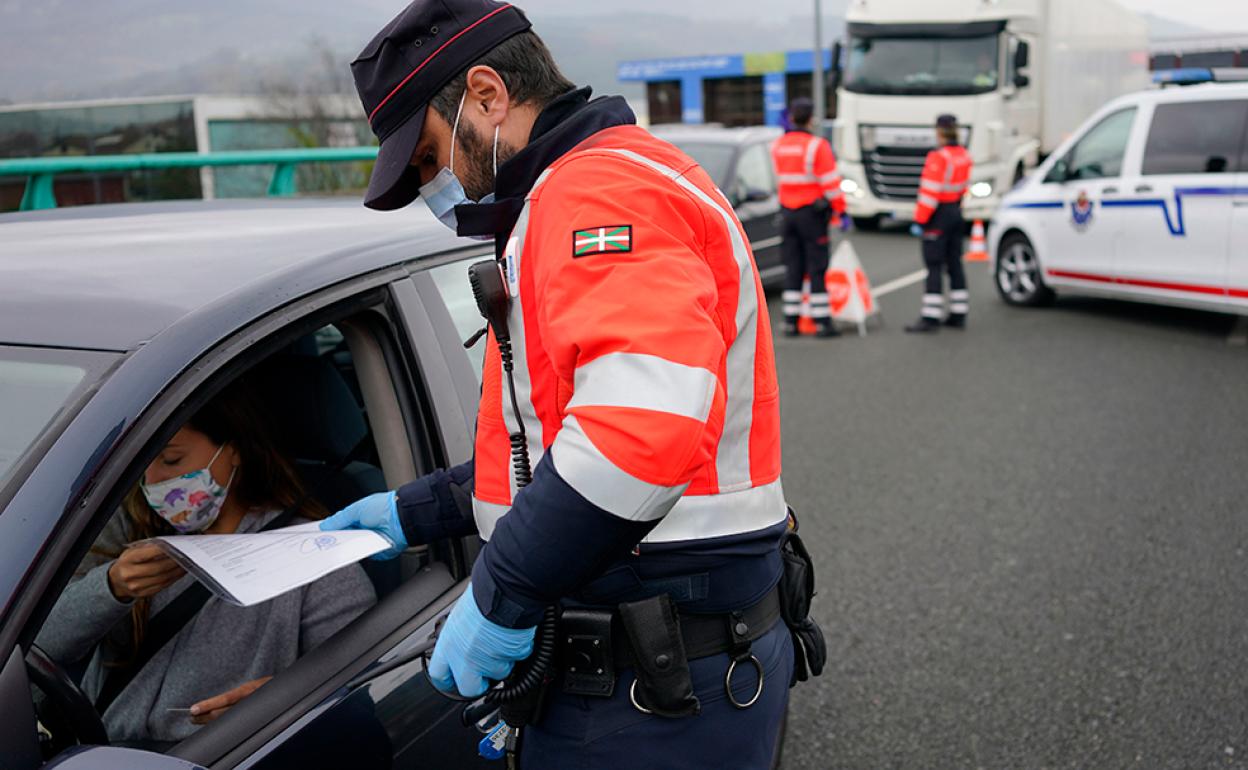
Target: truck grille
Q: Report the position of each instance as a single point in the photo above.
(893, 172)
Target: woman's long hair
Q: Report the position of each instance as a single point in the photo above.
(265, 480)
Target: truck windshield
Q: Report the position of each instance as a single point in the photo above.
(912, 65)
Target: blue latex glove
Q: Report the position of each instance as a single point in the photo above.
(846, 223)
(380, 513)
(472, 650)
(916, 230)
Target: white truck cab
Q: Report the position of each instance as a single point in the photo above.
(1148, 201)
(1018, 74)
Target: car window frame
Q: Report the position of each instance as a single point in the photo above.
(759, 149)
(225, 362)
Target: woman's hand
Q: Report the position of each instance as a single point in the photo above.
(211, 709)
(142, 571)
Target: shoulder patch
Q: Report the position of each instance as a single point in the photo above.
(611, 239)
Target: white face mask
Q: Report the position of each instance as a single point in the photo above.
(444, 192)
(191, 502)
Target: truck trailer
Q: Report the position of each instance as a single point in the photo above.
(1019, 75)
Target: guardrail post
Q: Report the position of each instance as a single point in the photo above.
(283, 183)
(39, 193)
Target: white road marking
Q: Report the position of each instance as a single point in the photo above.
(766, 243)
(899, 283)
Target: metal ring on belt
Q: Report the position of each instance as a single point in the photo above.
(732, 667)
(632, 696)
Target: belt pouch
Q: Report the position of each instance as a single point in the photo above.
(587, 656)
(664, 685)
(797, 588)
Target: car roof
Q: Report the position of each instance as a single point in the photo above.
(1187, 93)
(674, 132)
(111, 277)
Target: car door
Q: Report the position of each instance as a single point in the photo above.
(1080, 238)
(361, 698)
(757, 202)
(1176, 210)
(1237, 245)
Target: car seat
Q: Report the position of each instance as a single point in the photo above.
(320, 425)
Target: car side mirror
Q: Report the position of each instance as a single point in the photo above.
(1216, 164)
(753, 195)
(1058, 173)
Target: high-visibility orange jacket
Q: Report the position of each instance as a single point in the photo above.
(644, 368)
(806, 171)
(945, 176)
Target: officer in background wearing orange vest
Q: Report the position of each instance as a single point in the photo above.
(938, 221)
(810, 194)
(626, 473)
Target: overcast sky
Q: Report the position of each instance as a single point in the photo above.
(1220, 15)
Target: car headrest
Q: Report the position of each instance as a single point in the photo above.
(311, 407)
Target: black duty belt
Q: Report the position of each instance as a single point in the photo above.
(706, 635)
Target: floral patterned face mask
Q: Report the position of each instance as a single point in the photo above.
(191, 502)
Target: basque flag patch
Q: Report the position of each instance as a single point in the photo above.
(613, 239)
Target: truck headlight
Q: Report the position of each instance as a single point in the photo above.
(981, 189)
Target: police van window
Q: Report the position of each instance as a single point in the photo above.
(1099, 153)
(1195, 137)
(754, 172)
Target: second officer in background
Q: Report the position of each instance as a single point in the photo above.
(938, 220)
(811, 197)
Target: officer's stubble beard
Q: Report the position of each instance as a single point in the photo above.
(477, 174)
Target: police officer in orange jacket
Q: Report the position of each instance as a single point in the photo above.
(810, 197)
(627, 454)
(938, 221)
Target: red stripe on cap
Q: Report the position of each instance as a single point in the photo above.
(421, 66)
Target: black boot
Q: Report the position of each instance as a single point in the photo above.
(923, 325)
(790, 329)
(956, 321)
(827, 330)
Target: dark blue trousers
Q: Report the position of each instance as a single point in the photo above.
(579, 733)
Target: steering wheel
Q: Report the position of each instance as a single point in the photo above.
(66, 711)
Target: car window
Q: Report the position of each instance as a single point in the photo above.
(714, 158)
(1195, 137)
(451, 280)
(754, 171)
(289, 435)
(1099, 153)
(35, 386)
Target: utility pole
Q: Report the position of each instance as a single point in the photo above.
(818, 87)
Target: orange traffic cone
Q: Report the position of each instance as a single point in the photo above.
(805, 323)
(978, 252)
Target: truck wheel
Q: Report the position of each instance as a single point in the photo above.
(1019, 278)
(1019, 173)
(870, 224)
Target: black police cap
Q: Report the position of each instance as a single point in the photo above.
(409, 61)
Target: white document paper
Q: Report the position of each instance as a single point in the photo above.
(246, 569)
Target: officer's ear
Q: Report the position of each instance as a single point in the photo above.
(487, 94)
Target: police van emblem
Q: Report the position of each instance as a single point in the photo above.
(612, 239)
(1081, 211)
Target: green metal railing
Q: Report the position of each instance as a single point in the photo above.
(40, 172)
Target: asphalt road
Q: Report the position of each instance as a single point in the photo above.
(1031, 535)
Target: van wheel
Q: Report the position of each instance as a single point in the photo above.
(867, 224)
(1019, 279)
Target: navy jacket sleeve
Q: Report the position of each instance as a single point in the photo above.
(437, 506)
(549, 544)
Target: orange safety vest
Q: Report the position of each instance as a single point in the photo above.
(643, 353)
(806, 171)
(946, 174)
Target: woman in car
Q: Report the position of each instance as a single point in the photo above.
(219, 474)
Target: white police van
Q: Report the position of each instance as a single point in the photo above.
(1147, 201)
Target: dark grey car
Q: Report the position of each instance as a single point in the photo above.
(739, 162)
(116, 323)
